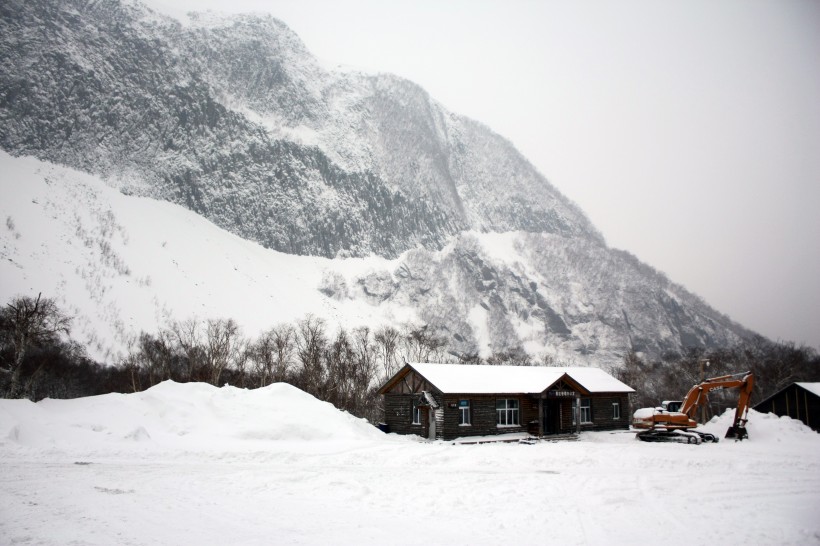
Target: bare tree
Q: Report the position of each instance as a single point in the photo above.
(421, 343)
(222, 347)
(635, 374)
(365, 352)
(241, 360)
(387, 343)
(310, 344)
(514, 356)
(25, 323)
(189, 341)
(340, 366)
(262, 359)
(366, 402)
(130, 364)
(155, 354)
(271, 355)
(284, 345)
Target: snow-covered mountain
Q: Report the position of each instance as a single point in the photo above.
(431, 217)
(235, 120)
(122, 263)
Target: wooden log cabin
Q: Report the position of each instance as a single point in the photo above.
(449, 401)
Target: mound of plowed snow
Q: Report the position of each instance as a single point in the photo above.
(762, 427)
(180, 417)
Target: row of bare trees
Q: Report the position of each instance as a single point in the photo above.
(341, 366)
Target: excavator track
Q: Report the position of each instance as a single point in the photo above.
(677, 436)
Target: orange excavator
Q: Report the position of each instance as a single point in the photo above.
(663, 425)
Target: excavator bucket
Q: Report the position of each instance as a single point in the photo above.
(738, 432)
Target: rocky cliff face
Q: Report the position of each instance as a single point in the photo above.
(234, 119)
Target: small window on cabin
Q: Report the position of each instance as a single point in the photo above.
(416, 414)
(506, 410)
(586, 412)
(464, 412)
(616, 410)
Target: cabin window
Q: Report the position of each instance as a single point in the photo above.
(586, 412)
(416, 414)
(506, 410)
(616, 410)
(464, 412)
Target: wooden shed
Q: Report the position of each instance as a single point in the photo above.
(799, 401)
(448, 401)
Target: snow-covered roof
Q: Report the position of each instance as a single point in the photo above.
(813, 388)
(464, 379)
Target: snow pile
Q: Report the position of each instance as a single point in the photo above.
(763, 428)
(179, 417)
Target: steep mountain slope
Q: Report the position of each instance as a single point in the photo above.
(72, 237)
(210, 116)
(236, 121)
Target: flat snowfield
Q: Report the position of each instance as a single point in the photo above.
(194, 464)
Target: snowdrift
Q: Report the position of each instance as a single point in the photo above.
(763, 428)
(176, 416)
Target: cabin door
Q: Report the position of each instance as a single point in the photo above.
(431, 424)
(551, 416)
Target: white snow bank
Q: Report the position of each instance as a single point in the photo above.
(763, 428)
(180, 417)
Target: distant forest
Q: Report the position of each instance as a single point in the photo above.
(344, 367)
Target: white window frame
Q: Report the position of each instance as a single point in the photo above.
(586, 411)
(616, 410)
(507, 412)
(464, 414)
(416, 413)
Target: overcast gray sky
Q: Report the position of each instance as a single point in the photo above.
(688, 131)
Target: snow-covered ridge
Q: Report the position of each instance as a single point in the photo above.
(122, 264)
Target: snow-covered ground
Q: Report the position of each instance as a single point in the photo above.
(195, 464)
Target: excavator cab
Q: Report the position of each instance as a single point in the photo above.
(671, 405)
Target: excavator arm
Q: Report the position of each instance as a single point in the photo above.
(697, 395)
